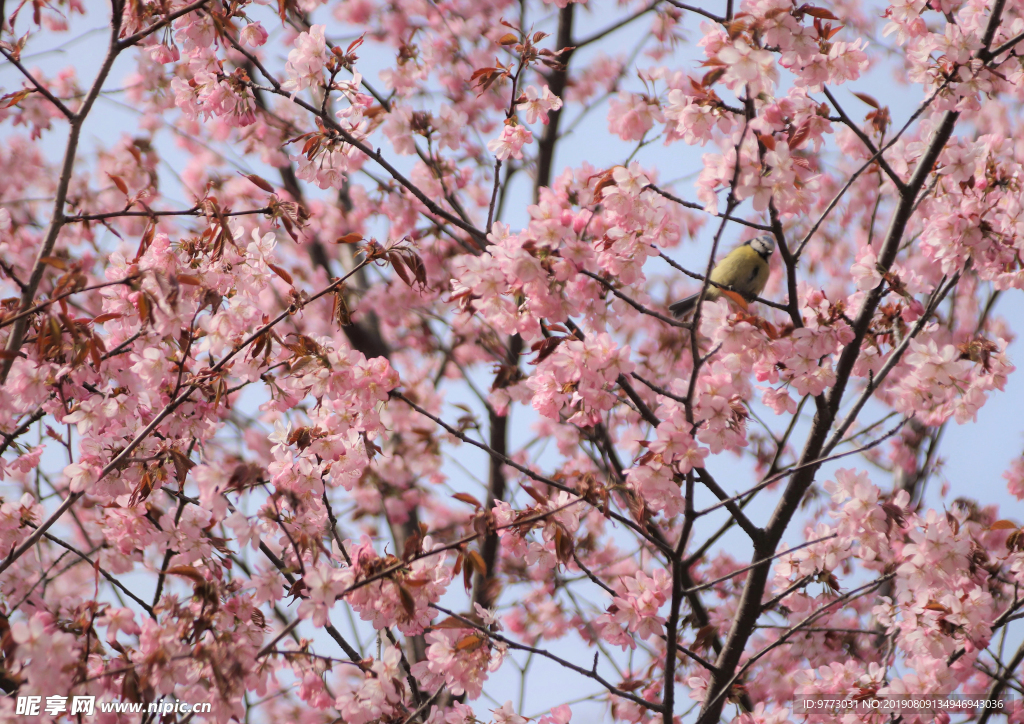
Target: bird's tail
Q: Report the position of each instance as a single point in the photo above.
(684, 306)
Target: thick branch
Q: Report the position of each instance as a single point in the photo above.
(194, 211)
(557, 82)
(485, 584)
(615, 26)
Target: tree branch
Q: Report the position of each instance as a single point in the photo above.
(699, 207)
(698, 11)
(591, 674)
(557, 81)
(38, 86)
(875, 153)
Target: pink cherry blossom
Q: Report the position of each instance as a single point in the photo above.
(631, 116)
(254, 34)
(511, 141)
(306, 61)
(536, 103)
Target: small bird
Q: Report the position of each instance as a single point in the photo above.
(743, 270)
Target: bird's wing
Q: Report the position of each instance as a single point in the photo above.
(760, 278)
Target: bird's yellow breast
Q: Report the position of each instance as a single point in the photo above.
(744, 270)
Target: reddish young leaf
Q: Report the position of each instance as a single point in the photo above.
(400, 269)
(820, 13)
(13, 99)
(1003, 525)
(281, 273)
(408, 602)
(478, 563)
(467, 498)
(190, 572)
(100, 319)
(535, 494)
(260, 182)
(119, 182)
(470, 642)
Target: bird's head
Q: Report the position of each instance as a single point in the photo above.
(763, 245)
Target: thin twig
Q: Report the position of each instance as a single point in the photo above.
(39, 86)
(875, 153)
(635, 304)
(698, 11)
(701, 207)
(194, 211)
(591, 673)
(43, 305)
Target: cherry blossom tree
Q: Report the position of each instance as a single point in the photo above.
(389, 421)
